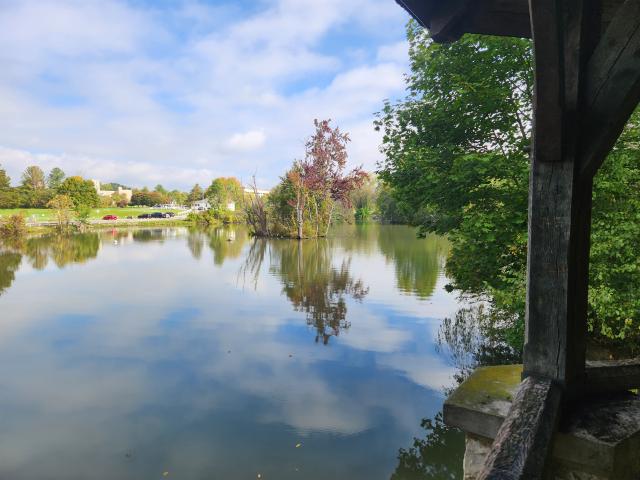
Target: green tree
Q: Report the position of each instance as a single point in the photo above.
(195, 194)
(224, 190)
(33, 178)
(55, 178)
(456, 151)
(390, 209)
(9, 197)
(180, 198)
(63, 205)
(5, 180)
(83, 213)
(364, 199)
(80, 191)
(147, 198)
(33, 193)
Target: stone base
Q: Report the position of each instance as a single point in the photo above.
(476, 450)
(598, 438)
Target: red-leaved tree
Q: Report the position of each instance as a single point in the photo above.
(322, 175)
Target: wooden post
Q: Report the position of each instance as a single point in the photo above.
(559, 204)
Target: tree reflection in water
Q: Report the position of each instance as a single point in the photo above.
(9, 264)
(418, 263)
(467, 341)
(38, 251)
(226, 242)
(437, 456)
(310, 281)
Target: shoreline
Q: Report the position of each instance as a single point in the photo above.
(52, 227)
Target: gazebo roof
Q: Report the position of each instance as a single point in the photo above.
(448, 20)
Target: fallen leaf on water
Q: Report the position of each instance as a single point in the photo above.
(298, 445)
(164, 474)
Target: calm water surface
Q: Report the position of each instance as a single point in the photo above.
(165, 353)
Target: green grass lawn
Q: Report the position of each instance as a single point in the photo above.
(45, 214)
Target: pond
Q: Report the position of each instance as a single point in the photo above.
(170, 353)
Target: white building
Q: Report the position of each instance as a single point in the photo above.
(201, 205)
(259, 191)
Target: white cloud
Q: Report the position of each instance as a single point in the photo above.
(248, 141)
(155, 91)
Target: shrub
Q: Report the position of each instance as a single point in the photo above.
(13, 227)
(203, 219)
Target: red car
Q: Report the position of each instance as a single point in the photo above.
(109, 217)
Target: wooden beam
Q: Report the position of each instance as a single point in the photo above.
(559, 209)
(612, 375)
(613, 86)
(449, 20)
(523, 443)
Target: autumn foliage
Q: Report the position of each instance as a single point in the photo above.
(302, 205)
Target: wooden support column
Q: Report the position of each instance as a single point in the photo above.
(564, 34)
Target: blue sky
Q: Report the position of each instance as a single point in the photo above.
(177, 92)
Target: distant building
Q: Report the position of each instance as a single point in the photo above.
(260, 192)
(169, 206)
(109, 193)
(201, 205)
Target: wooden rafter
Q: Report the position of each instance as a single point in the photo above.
(613, 86)
(490, 17)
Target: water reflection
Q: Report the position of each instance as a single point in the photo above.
(313, 284)
(227, 242)
(434, 457)
(9, 264)
(466, 340)
(61, 249)
(175, 363)
(417, 262)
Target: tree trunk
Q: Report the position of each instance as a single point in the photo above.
(315, 206)
(299, 215)
(326, 232)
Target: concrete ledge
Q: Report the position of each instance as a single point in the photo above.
(599, 437)
(481, 403)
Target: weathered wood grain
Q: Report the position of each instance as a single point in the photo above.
(613, 87)
(523, 443)
(559, 207)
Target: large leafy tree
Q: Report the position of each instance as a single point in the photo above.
(33, 191)
(456, 150)
(33, 178)
(5, 180)
(9, 197)
(80, 191)
(55, 178)
(195, 194)
(224, 190)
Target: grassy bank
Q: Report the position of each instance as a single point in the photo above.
(48, 215)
